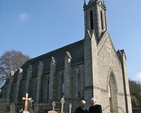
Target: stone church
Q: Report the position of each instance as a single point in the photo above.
(87, 68)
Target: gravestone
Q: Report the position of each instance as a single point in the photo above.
(53, 105)
(21, 110)
(30, 106)
(70, 106)
(26, 103)
(62, 105)
(12, 108)
(53, 108)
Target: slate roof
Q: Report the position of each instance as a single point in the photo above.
(76, 51)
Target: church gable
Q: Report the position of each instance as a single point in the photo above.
(107, 44)
(109, 60)
(110, 70)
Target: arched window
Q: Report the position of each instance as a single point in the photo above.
(62, 84)
(79, 83)
(48, 84)
(91, 20)
(101, 14)
(110, 98)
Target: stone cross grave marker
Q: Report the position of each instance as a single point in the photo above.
(53, 105)
(70, 106)
(12, 108)
(30, 106)
(21, 110)
(26, 103)
(62, 105)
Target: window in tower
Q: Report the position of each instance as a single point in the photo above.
(62, 85)
(101, 14)
(91, 20)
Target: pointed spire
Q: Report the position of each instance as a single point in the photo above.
(84, 3)
(103, 2)
(104, 5)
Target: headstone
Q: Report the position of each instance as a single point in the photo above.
(53, 105)
(30, 106)
(12, 108)
(26, 103)
(70, 106)
(21, 110)
(62, 105)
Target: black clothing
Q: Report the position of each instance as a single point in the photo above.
(81, 110)
(95, 109)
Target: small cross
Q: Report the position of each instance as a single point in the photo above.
(53, 105)
(62, 100)
(26, 101)
(70, 106)
(62, 105)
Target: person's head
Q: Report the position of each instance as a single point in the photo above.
(82, 103)
(93, 101)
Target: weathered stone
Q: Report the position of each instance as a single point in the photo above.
(87, 68)
(12, 108)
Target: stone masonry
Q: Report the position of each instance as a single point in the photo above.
(85, 69)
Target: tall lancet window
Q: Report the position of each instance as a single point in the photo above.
(4, 92)
(102, 26)
(79, 83)
(91, 20)
(48, 84)
(110, 98)
(62, 85)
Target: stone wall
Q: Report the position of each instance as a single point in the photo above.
(4, 105)
(110, 72)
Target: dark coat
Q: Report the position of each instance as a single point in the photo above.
(80, 110)
(95, 109)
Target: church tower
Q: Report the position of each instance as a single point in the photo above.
(95, 17)
(102, 66)
(95, 26)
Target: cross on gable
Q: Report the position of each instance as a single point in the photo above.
(26, 101)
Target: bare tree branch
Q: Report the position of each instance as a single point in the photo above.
(11, 61)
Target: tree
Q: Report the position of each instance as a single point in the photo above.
(10, 61)
(135, 91)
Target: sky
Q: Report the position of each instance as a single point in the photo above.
(36, 27)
